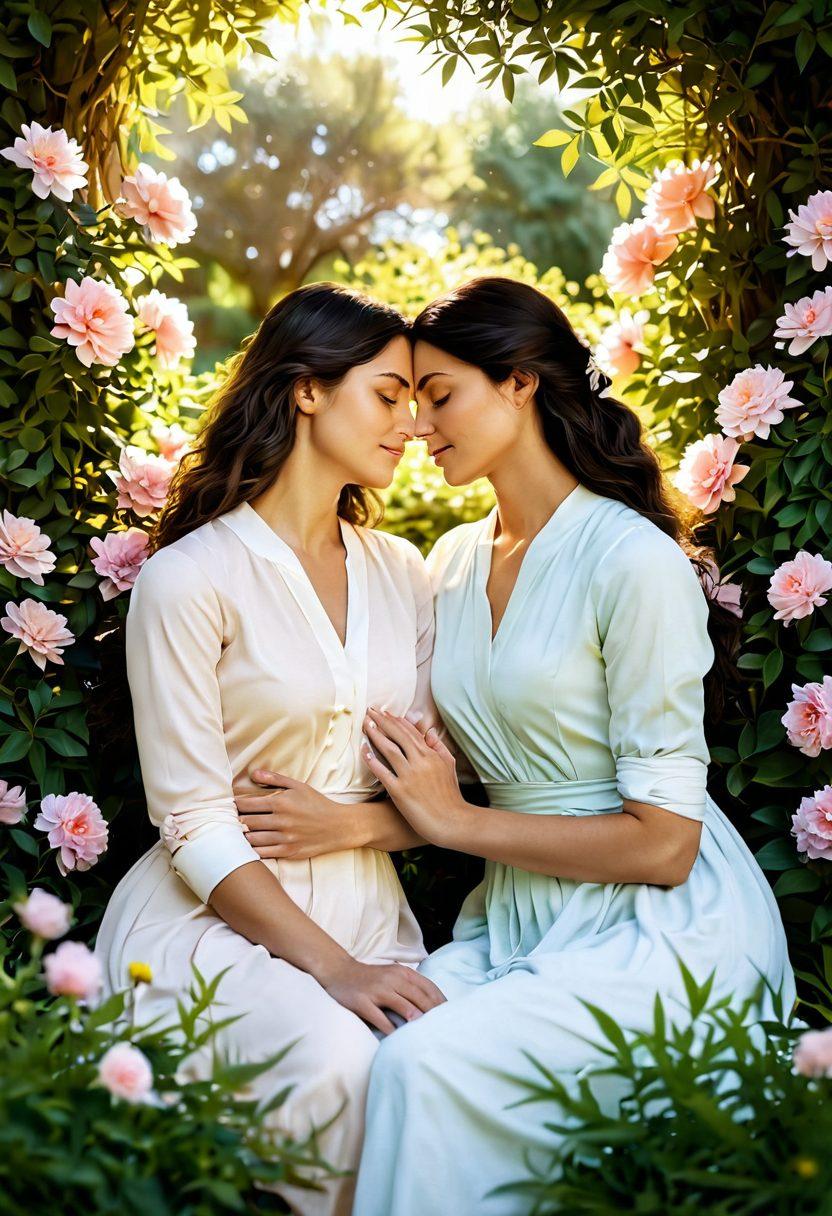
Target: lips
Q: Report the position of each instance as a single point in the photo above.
(438, 451)
(393, 451)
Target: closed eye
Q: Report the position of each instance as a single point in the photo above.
(387, 399)
(440, 401)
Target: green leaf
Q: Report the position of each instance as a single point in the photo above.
(796, 882)
(40, 27)
(526, 10)
(24, 841)
(772, 667)
(777, 855)
(553, 139)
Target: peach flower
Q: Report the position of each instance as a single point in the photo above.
(810, 230)
(24, 549)
(725, 593)
(754, 401)
(168, 318)
(73, 970)
(634, 252)
(172, 441)
(41, 631)
(808, 719)
(806, 321)
(92, 316)
(143, 480)
(159, 203)
(812, 1054)
(120, 556)
(678, 196)
(812, 825)
(617, 352)
(797, 587)
(707, 473)
(44, 914)
(12, 803)
(76, 827)
(55, 160)
(125, 1071)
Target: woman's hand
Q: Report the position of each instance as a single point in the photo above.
(419, 774)
(370, 988)
(292, 820)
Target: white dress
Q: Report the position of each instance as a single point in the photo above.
(234, 665)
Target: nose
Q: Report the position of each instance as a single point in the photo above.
(423, 426)
(405, 422)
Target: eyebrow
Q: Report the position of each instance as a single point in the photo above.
(395, 376)
(429, 376)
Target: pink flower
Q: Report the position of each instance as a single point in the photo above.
(55, 160)
(143, 480)
(168, 318)
(92, 316)
(727, 594)
(24, 549)
(41, 631)
(806, 321)
(797, 587)
(754, 401)
(76, 827)
(707, 473)
(634, 252)
(12, 803)
(678, 196)
(812, 1054)
(810, 230)
(120, 557)
(73, 970)
(161, 204)
(617, 352)
(808, 719)
(126, 1072)
(812, 825)
(172, 441)
(44, 915)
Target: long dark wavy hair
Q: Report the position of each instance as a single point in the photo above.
(498, 324)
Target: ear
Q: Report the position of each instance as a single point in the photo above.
(521, 386)
(307, 394)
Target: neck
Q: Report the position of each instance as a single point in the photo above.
(301, 504)
(530, 484)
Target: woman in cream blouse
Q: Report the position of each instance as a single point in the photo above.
(264, 622)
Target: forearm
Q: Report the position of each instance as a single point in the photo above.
(379, 825)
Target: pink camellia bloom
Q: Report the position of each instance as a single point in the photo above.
(797, 587)
(172, 441)
(76, 827)
(73, 970)
(808, 719)
(754, 401)
(44, 914)
(143, 480)
(634, 252)
(812, 1054)
(55, 160)
(168, 318)
(707, 473)
(12, 803)
(24, 549)
(806, 321)
(617, 353)
(160, 203)
(41, 631)
(92, 316)
(120, 556)
(810, 230)
(126, 1072)
(812, 825)
(725, 593)
(679, 196)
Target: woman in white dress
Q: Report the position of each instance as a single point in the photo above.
(265, 620)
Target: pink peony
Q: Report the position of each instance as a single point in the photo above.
(55, 160)
(120, 556)
(806, 321)
(143, 480)
(812, 825)
(161, 204)
(634, 252)
(707, 473)
(24, 549)
(168, 318)
(126, 1072)
(810, 230)
(73, 970)
(808, 719)
(727, 594)
(812, 1054)
(12, 803)
(797, 587)
(617, 353)
(678, 196)
(92, 316)
(754, 401)
(76, 827)
(44, 915)
(172, 441)
(41, 631)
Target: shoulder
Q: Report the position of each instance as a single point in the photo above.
(399, 554)
(451, 546)
(182, 573)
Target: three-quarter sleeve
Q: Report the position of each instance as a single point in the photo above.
(652, 618)
(174, 642)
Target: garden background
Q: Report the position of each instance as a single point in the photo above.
(551, 142)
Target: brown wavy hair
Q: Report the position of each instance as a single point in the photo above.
(498, 324)
(321, 330)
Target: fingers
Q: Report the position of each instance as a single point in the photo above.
(391, 752)
(435, 744)
(267, 776)
(425, 993)
(400, 1004)
(402, 732)
(379, 769)
(372, 1014)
